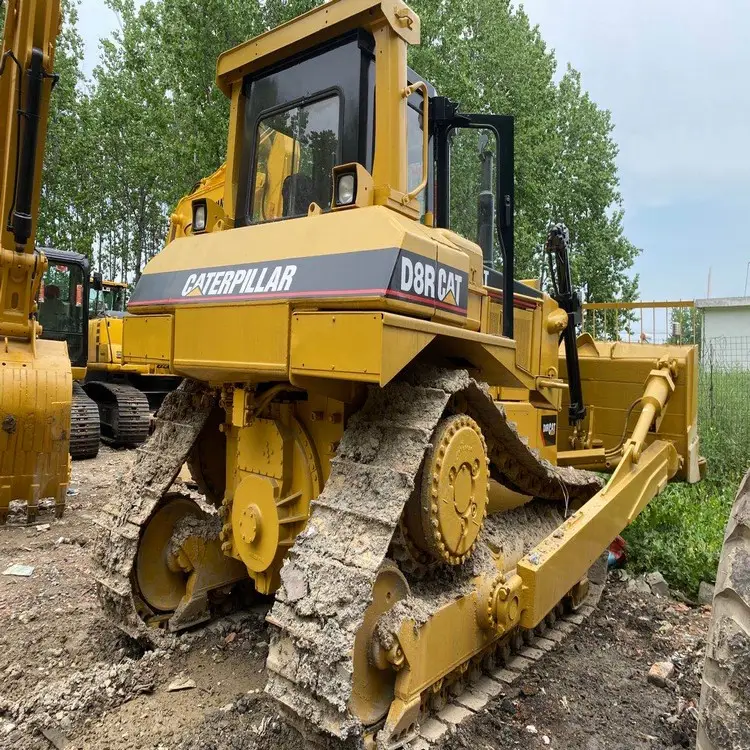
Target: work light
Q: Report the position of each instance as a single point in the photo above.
(200, 213)
(346, 189)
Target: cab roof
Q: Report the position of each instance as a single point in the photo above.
(322, 23)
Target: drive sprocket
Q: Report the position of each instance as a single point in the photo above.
(452, 504)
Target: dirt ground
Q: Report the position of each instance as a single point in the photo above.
(70, 679)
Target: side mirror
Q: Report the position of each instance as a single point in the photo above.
(97, 282)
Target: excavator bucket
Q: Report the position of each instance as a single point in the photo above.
(613, 374)
(34, 423)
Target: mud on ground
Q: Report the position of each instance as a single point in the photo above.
(69, 679)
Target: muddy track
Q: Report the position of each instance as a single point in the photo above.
(327, 582)
(178, 424)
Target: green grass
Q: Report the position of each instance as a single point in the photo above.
(681, 531)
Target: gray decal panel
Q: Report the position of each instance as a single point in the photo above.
(419, 279)
(389, 272)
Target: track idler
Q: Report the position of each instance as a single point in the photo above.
(180, 562)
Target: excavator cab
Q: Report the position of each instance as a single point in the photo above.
(63, 312)
(107, 298)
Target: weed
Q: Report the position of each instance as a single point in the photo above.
(680, 533)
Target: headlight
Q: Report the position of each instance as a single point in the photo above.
(345, 189)
(199, 217)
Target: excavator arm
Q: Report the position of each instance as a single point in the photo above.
(35, 377)
(26, 80)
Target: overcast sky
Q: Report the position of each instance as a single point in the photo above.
(674, 74)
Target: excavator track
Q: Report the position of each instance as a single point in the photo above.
(84, 425)
(123, 413)
(328, 580)
(179, 422)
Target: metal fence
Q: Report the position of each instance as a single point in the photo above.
(663, 322)
(724, 403)
(724, 376)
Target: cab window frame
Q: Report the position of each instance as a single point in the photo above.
(302, 79)
(415, 102)
(318, 96)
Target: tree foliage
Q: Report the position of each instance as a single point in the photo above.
(124, 146)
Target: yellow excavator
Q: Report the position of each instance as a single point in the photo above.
(35, 375)
(110, 399)
(388, 438)
(125, 394)
(63, 311)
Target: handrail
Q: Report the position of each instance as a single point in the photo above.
(407, 92)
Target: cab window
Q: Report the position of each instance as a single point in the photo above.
(107, 300)
(415, 148)
(295, 152)
(61, 306)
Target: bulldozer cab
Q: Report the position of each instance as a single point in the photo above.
(308, 120)
(322, 123)
(63, 309)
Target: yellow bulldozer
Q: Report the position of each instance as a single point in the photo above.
(388, 438)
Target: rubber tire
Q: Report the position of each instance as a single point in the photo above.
(724, 722)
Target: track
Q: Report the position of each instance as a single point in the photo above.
(724, 708)
(123, 411)
(354, 527)
(513, 656)
(178, 424)
(336, 559)
(84, 425)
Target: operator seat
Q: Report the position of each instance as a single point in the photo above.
(297, 194)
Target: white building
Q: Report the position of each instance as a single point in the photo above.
(726, 328)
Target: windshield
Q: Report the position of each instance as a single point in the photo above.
(296, 150)
(61, 306)
(109, 299)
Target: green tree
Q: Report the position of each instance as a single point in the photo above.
(488, 56)
(585, 195)
(159, 123)
(686, 325)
